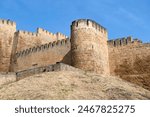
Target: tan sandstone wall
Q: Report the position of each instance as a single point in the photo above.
(125, 59)
(130, 60)
(89, 48)
(24, 40)
(48, 68)
(43, 55)
(50, 36)
(7, 29)
(27, 39)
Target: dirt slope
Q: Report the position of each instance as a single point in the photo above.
(72, 85)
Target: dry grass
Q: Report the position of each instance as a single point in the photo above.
(72, 85)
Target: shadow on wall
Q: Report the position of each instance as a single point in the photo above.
(138, 73)
(67, 58)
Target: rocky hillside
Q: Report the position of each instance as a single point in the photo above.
(72, 85)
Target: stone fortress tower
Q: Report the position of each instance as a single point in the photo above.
(7, 30)
(89, 48)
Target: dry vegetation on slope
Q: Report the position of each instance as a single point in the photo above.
(72, 85)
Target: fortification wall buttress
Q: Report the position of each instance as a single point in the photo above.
(7, 30)
(89, 48)
(50, 53)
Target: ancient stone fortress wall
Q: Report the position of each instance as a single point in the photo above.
(7, 30)
(50, 53)
(12, 41)
(89, 48)
(48, 68)
(28, 39)
(9, 77)
(129, 57)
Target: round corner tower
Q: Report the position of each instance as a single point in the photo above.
(89, 46)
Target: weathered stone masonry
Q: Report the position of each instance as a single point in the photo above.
(88, 48)
(128, 56)
(7, 30)
(50, 53)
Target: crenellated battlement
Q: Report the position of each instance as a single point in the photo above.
(87, 23)
(7, 22)
(89, 46)
(41, 30)
(122, 41)
(27, 33)
(7, 31)
(56, 36)
(42, 47)
(86, 49)
(61, 36)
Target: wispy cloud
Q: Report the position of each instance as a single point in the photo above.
(131, 17)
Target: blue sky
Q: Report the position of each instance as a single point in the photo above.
(121, 17)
